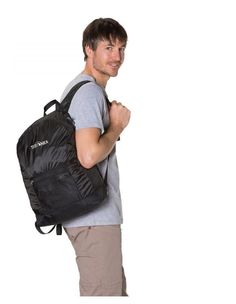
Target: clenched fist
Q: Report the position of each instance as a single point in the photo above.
(119, 116)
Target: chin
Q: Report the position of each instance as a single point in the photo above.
(114, 74)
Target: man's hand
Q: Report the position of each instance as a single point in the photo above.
(119, 116)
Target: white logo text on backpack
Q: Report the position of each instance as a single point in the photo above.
(39, 144)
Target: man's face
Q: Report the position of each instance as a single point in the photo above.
(108, 57)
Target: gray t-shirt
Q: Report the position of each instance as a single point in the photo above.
(89, 109)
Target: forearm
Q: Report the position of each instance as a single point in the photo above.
(107, 142)
(92, 147)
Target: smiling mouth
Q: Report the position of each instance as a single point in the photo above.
(115, 65)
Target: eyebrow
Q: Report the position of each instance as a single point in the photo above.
(110, 43)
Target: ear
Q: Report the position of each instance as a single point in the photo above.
(88, 51)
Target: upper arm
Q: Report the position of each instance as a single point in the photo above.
(87, 108)
(87, 140)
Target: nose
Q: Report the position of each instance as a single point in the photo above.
(117, 55)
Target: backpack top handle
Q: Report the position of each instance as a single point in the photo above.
(50, 104)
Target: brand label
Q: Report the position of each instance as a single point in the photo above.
(39, 144)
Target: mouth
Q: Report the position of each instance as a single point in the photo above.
(114, 65)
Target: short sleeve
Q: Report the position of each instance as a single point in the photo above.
(87, 107)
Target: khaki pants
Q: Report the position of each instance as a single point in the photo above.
(99, 260)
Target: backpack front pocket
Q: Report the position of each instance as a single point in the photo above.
(56, 188)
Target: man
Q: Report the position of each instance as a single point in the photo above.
(96, 237)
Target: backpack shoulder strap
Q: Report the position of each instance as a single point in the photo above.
(65, 104)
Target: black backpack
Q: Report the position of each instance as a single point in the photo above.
(59, 188)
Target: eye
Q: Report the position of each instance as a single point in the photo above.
(109, 48)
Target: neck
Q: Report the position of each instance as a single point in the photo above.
(101, 79)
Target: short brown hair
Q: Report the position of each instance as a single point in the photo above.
(102, 29)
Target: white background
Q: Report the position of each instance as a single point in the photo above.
(177, 157)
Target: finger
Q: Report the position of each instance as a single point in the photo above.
(116, 102)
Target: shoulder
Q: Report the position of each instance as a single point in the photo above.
(90, 95)
(90, 98)
(90, 89)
